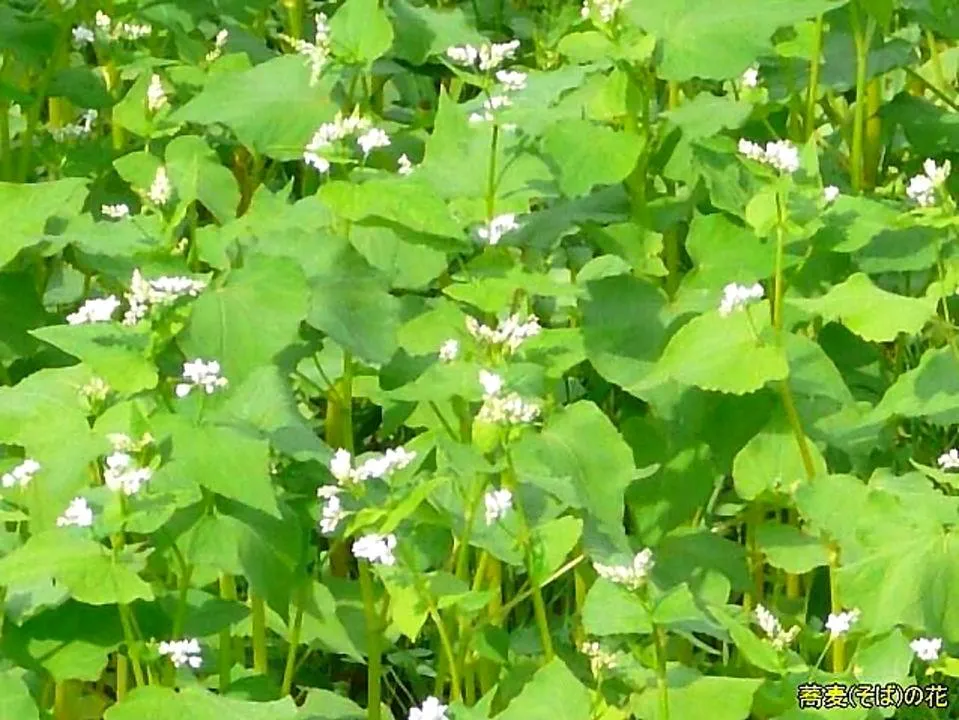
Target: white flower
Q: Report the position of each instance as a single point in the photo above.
(332, 512)
(95, 310)
(750, 78)
(331, 132)
(341, 465)
(156, 95)
(76, 130)
(377, 467)
(115, 212)
(404, 166)
(491, 382)
(839, 624)
(183, 652)
(927, 649)
(373, 138)
(949, 460)
(123, 475)
(377, 549)
(122, 442)
(509, 333)
(599, 659)
(922, 188)
(82, 35)
(430, 710)
(103, 20)
(96, 390)
(160, 190)
(199, 373)
(774, 630)
(317, 53)
(606, 9)
(498, 503)
(449, 350)
(162, 291)
(488, 57)
(830, 193)
(132, 31)
(633, 575)
(512, 80)
(736, 297)
(510, 409)
(219, 43)
(781, 155)
(21, 475)
(78, 513)
(493, 231)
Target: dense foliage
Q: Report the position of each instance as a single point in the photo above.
(527, 360)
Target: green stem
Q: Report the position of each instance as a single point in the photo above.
(261, 663)
(838, 657)
(61, 701)
(491, 175)
(227, 592)
(133, 647)
(294, 642)
(862, 37)
(123, 676)
(932, 88)
(813, 91)
(662, 684)
(373, 645)
(937, 68)
(294, 11)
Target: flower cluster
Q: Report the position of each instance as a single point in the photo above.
(750, 78)
(949, 460)
(486, 57)
(840, 623)
(145, 294)
(510, 81)
(780, 155)
(377, 549)
(508, 409)
(199, 373)
(183, 652)
(774, 630)
(509, 333)
(599, 659)
(78, 514)
(830, 193)
(96, 390)
(497, 227)
(605, 9)
(378, 467)
(736, 297)
(156, 96)
(78, 129)
(332, 511)
(449, 350)
(633, 575)
(431, 709)
(108, 30)
(404, 166)
(21, 475)
(95, 310)
(317, 53)
(161, 189)
(927, 649)
(923, 188)
(339, 129)
(115, 212)
(122, 473)
(498, 503)
(219, 42)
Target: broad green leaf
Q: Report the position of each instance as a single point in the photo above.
(553, 693)
(724, 252)
(929, 390)
(772, 460)
(248, 321)
(162, 703)
(586, 154)
(551, 543)
(358, 314)
(327, 705)
(422, 31)
(197, 174)
(756, 650)
(870, 312)
(717, 41)
(16, 703)
(29, 211)
(724, 353)
(360, 31)
(788, 548)
(692, 695)
(114, 352)
(612, 609)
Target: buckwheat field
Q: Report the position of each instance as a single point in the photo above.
(458, 360)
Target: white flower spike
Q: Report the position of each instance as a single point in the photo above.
(927, 649)
(949, 460)
(774, 630)
(372, 139)
(509, 333)
(736, 297)
(780, 155)
(498, 503)
(750, 78)
(123, 475)
(377, 549)
(449, 350)
(599, 659)
(95, 310)
(840, 623)
(403, 165)
(115, 212)
(924, 188)
(161, 190)
(199, 373)
(605, 9)
(486, 57)
(633, 575)
(496, 228)
(77, 514)
(332, 512)
(431, 709)
(82, 35)
(183, 652)
(830, 193)
(21, 475)
(156, 95)
(165, 290)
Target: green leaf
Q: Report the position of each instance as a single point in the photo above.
(248, 321)
(360, 31)
(358, 314)
(723, 353)
(553, 693)
(16, 703)
(757, 651)
(930, 390)
(790, 549)
(162, 703)
(692, 695)
(422, 31)
(587, 154)
(551, 542)
(870, 312)
(772, 460)
(612, 609)
(704, 39)
(327, 705)
(197, 174)
(29, 211)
